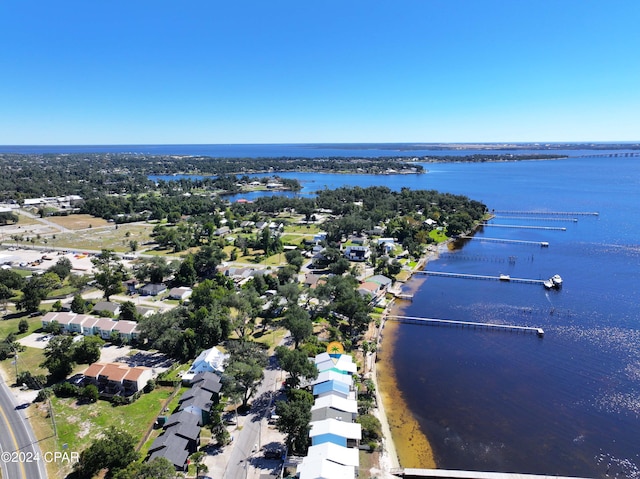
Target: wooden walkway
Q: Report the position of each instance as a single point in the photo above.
(502, 240)
(527, 227)
(550, 213)
(451, 322)
(453, 474)
(481, 276)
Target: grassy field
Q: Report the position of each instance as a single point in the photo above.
(116, 237)
(79, 425)
(438, 235)
(78, 222)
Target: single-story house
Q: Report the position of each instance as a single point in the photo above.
(180, 293)
(384, 282)
(357, 253)
(145, 312)
(153, 289)
(131, 286)
(109, 306)
(369, 290)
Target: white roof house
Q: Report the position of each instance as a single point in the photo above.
(346, 456)
(331, 375)
(315, 468)
(337, 432)
(211, 360)
(343, 362)
(336, 402)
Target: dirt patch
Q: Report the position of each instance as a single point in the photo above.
(78, 222)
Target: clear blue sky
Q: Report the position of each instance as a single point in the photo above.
(280, 71)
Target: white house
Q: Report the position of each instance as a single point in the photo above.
(180, 293)
(211, 360)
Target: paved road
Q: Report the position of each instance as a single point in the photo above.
(248, 441)
(20, 455)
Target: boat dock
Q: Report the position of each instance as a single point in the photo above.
(451, 322)
(527, 227)
(573, 220)
(544, 213)
(501, 240)
(409, 473)
(481, 276)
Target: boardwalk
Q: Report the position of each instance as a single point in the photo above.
(452, 322)
(527, 227)
(528, 218)
(502, 240)
(453, 474)
(481, 276)
(550, 213)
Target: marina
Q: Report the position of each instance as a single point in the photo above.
(451, 322)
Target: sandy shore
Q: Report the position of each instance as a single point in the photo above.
(404, 444)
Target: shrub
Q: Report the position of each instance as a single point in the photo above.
(66, 390)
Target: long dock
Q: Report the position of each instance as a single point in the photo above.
(481, 276)
(527, 227)
(550, 213)
(451, 322)
(573, 220)
(502, 240)
(453, 474)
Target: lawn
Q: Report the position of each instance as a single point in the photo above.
(304, 229)
(438, 235)
(78, 222)
(79, 425)
(116, 237)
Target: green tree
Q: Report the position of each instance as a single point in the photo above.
(294, 258)
(78, 305)
(5, 295)
(297, 321)
(157, 468)
(115, 451)
(186, 274)
(59, 357)
(90, 393)
(242, 378)
(87, 351)
(128, 311)
(297, 364)
(62, 268)
(109, 274)
(35, 290)
(23, 326)
(294, 418)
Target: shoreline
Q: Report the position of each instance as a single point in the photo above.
(404, 444)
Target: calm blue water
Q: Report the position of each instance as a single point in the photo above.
(568, 404)
(267, 150)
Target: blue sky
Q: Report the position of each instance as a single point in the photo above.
(138, 72)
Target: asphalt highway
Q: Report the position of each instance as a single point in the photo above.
(20, 455)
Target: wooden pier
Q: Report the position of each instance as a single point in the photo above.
(544, 213)
(502, 240)
(481, 276)
(527, 227)
(472, 324)
(453, 474)
(573, 220)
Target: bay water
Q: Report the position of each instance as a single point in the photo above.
(567, 404)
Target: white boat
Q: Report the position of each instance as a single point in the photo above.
(557, 280)
(548, 283)
(505, 277)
